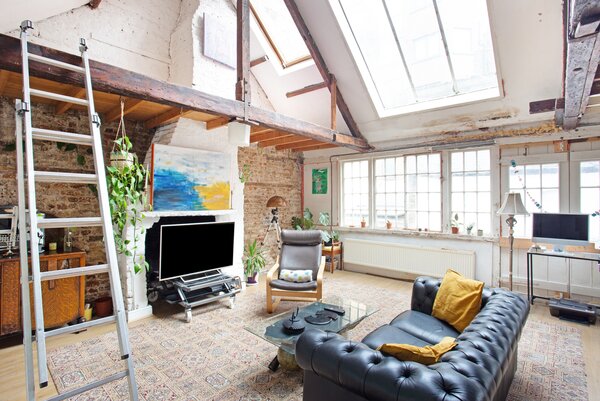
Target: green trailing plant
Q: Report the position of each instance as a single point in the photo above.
(69, 147)
(127, 201)
(305, 222)
(327, 235)
(254, 259)
(245, 173)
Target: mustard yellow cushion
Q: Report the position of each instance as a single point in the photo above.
(458, 300)
(328, 248)
(425, 355)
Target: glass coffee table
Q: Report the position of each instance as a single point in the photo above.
(271, 329)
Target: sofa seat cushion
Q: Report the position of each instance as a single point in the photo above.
(291, 286)
(424, 327)
(387, 334)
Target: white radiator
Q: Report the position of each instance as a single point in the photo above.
(408, 258)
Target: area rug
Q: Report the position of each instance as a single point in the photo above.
(214, 358)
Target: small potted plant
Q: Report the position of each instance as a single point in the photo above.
(363, 222)
(328, 237)
(388, 224)
(470, 228)
(454, 224)
(254, 262)
(121, 155)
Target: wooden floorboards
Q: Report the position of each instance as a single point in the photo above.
(12, 378)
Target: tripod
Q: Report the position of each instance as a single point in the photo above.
(274, 224)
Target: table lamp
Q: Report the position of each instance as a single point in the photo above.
(512, 206)
(275, 202)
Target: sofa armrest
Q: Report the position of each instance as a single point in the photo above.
(378, 377)
(423, 294)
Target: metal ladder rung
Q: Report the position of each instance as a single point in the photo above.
(59, 97)
(57, 176)
(90, 386)
(73, 272)
(60, 136)
(80, 326)
(56, 63)
(64, 222)
(5, 231)
(6, 216)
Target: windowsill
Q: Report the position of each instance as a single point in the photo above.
(417, 234)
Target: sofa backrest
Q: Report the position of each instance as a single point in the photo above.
(425, 290)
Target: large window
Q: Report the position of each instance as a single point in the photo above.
(471, 189)
(589, 173)
(408, 192)
(280, 31)
(535, 182)
(420, 54)
(355, 200)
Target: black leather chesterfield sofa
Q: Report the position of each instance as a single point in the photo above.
(480, 367)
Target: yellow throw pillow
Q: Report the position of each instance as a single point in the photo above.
(458, 300)
(425, 355)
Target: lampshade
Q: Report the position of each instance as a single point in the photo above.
(239, 134)
(276, 201)
(512, 205)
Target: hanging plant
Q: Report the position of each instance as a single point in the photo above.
(127, 198)
(121, 155)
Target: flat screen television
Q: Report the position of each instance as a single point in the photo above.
(194, 248)
(560, 229)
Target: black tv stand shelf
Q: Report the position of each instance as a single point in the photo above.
(203, 290)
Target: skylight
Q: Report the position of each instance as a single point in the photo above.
(280, 31)
(420, 54)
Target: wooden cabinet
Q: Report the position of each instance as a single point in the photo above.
(63, 299)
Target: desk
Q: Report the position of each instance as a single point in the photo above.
(593, 257)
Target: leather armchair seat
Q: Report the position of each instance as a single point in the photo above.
(480, 367)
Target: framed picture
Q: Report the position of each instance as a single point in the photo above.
(319, 181)
(190, 179)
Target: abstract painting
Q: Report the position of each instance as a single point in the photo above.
(190, 179)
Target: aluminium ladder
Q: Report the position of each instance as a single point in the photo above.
(29, 175)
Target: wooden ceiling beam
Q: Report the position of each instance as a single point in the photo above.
(94, 4)
(583, 56)
(110, 79)
(115, 113)
(543, 106)
(3, 80)
(266, 136)
(256, 129)
(63, 107)
(314, 147)
(306, 142)
(322, 66)
(217, 122)
(258, 61)
(306, 89)
(168, 116)
(281, 140)
(242, 87)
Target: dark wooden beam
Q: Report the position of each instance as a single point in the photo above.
(322, 66)
(242, 87)
(314, 147)
(583, 56)
(266, 136)
(543, 106)
(63, 107)
(306, 89)
(258, 61)
(94, 4)
(306, 142)
(3, 80)
(281, 140)
(111, 79)
(217, 122)
(333, 103)
(115, 113)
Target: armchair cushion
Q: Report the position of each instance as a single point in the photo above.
(296, 276)
(291, 286)
(301, 250)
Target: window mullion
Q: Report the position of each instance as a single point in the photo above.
(445, 42)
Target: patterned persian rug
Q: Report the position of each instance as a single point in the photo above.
(214, 358)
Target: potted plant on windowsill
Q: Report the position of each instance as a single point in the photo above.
(254, 262)
(454, 224)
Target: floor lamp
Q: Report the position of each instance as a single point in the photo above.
(512, 206)
(275, 202)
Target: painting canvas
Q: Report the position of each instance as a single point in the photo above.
(190, 179)
(319, 181)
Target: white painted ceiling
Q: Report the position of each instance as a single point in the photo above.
(529, 51)
(15, 11)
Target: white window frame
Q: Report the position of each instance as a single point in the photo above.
(575, 178)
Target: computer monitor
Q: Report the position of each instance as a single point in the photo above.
(560, 229)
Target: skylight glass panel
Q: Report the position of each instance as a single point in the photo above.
(428, 53)
(279, 28)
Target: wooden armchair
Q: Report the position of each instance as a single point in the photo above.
(301, 250)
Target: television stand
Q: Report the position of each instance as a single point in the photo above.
(203, 290)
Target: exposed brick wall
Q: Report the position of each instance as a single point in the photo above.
(64, 200)
(272, 173)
